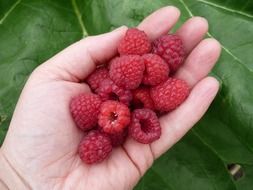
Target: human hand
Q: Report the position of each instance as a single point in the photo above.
(40, 149)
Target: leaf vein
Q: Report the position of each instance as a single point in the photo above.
(223, 47)
(232, 55)
(225, 8)
(79, 18)
(9, 11)
(186, 7)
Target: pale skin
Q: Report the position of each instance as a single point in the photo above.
(40, 149)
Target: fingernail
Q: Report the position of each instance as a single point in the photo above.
(213, 87)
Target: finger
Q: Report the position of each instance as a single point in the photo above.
(160, 22)
(140, 154)
(192, 32)
(200, 61)
(77, 61)
(177, 123)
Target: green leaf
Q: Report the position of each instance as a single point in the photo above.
(31, 31)
(190, 165)
(6, 7)
(246, 183)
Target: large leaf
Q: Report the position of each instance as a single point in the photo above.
(31, 31)
(190, 165)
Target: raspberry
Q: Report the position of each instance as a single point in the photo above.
(156, 70)
(142, 98)
(170, 94)
(135, 42)
(170, 48)
(97, 76)
(127, 71)
(85, 109)
(145, 127)
(118, 139)
(108, 90)
(95, 147)
(113, 117)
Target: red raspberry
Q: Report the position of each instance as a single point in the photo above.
(170, 48)
(85, 109)
(118, 138)
(113, 117)
(95, 147)
(97, 76)
(145, 126)
(108, 90)
(135, 42)
(170, 94)
(127, 71)
(156, 70)
(142, 98)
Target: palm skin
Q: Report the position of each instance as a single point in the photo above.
(41, 144)
(50, 145)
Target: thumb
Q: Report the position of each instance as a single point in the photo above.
(77, 61)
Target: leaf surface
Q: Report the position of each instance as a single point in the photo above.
(32, 31)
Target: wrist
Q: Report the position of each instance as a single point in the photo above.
(9, 179)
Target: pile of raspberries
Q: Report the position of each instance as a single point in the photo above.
(129, 93)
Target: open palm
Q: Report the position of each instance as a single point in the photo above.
(41, 144)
